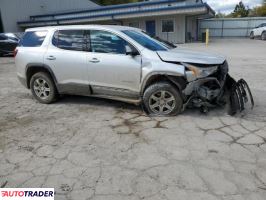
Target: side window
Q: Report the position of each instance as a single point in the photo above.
(33, 39)
(74, 40)
(106, 42)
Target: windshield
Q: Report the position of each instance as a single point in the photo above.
(145, 40)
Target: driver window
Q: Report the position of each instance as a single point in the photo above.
(106, 42)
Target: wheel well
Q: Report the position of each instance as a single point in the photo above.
(33, 70)
(178, 82)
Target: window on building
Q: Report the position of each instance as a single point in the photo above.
(33, 39)
(106, 42)
(167, 26)
(74, 40)
(134, 24)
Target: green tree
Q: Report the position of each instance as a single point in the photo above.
(220, 15)
(240, 10)
(261, 11)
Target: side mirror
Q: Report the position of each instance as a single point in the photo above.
(130, 50)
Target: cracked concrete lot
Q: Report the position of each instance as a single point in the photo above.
(95, 149)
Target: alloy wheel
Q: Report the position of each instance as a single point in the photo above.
(162, 102)
(41, 88)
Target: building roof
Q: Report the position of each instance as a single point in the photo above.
(118, 12)
(92, 26)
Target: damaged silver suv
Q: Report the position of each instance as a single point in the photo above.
(126, 64)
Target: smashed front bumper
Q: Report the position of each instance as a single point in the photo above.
(218, 89)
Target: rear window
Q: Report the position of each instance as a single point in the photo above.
(33, 39)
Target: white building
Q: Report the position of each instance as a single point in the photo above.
(172, 20)
(12, 11)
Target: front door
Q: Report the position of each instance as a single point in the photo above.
(151, 27)
(110, 70)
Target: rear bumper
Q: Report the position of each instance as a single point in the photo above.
(23, 81)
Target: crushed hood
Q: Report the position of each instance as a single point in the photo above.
(187, 56)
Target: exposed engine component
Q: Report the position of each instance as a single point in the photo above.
(219, 89)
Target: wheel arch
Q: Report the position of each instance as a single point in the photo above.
(34, 68)
(179, 82)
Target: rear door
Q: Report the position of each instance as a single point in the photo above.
(67, 56)
(257, 31)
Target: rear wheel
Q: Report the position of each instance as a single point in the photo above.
(252, 35)
(162, 99)
(43, 88)
(263, 35)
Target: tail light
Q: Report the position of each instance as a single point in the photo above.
(15, 52)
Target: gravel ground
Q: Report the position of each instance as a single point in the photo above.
(89, 148)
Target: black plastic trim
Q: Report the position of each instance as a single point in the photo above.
(41, 65)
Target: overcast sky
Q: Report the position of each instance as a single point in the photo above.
(227, 6)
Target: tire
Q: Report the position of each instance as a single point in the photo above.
(252, 37)
(263, 36)
(43, 88)
(162, 99)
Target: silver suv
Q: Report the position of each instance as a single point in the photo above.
(126, 64)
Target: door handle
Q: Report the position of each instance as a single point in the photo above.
(51, 58)
(94, 60)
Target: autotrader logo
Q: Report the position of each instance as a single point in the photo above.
(27, 193)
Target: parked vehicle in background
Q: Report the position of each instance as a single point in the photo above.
(259, 32)
(124, 63)
(8, 43)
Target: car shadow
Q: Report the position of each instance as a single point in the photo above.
(99, 102)
(126, 107)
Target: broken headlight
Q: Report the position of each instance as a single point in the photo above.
(193, 72)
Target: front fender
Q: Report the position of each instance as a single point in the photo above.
(151, 69)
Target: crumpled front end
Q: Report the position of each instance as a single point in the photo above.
(211, 86)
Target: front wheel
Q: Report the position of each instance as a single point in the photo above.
(252, 35)
(263, 35)
(43, 88)
(162, 99)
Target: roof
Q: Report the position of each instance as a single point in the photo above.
(117, 12)
(95, 26)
